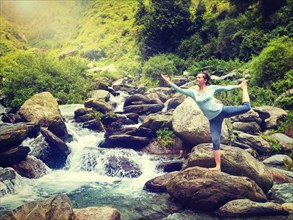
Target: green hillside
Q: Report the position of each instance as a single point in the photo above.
(145, 38)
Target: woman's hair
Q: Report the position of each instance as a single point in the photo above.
(206, 76)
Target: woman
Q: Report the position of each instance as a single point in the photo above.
(215, 112)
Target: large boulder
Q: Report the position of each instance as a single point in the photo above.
(234, 161)
(99, 105)
(100, 213)
(246, 207)
(190, 124)
(199, 189)
(157, 121)
(56, 207)
(159, 184)
(285, 141)
(40, 109)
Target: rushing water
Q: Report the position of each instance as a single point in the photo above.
(85, 182)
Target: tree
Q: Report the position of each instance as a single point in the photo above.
(166, 24)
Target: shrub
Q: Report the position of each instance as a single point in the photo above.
(165, 137)
(155, 66)
(273, 62)
(276, 146)
(26, 73)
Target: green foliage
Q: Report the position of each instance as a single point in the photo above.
(273, 62)
(165, 137)
(165, 25)
(213, 64)
(289, 163)
(26, 73)
(276, 146)
(157, 65)
(260, 96)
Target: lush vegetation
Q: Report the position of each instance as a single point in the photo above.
(144, 39)
(165, 137)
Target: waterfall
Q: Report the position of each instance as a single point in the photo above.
(85, 168)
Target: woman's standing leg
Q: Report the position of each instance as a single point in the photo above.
(215, 129)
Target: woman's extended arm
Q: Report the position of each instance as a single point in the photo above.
(187, 92)
(225, 88)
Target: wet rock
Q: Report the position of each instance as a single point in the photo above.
(57, 127)
(159, 183)
(95, 125)
(199, 189)
(7, 181)
(56, 207)
(102, 213)
(170, 166)
(234, 161)
(31, 167)
(125, 141)
(11, 118)
(247, 208)
(121, 166)
(154, 147)
(191, 125)
(12, 135)
(281, 193)
(13, 156)
(143, 108)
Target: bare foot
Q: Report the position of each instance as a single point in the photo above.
(244, 84)
(215, 169)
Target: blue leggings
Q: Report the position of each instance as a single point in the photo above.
(216, 123)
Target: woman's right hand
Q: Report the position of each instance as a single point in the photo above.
(166, 78)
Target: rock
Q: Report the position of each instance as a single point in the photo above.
(271, 116)
(158, 184)
(12, 135)
(7, 181)
(121, 166)
(97, 105)
(176, 100)
(281, 193)
(13, 156)
(110, 68)
(192, 126)
(99, 95)
(56, 207)
(100, 213)
(255, 142)
(125, 141)
(285, 141)
(57, 127)
(199, 189)
(250, 116)
(155, 98)
(277, 159)
(281, 176)
(170, 166)
(246, 208)
(234, 161)
(154, 147)
(95, 125)
(247, 127)
(31, 167)
(230, 75)
(40, 109)
(157, 121)
(143, 108)
(56, 142)
(11, 118)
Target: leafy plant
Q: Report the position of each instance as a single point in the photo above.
(286, 126)
(165, 137)
(276, 146)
